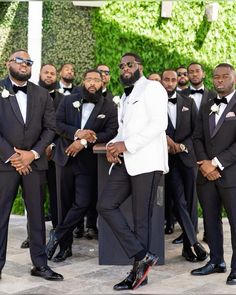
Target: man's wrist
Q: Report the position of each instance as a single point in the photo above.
(76, 135)
(36, 155)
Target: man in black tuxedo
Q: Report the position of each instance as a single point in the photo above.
(182, 79)
(106, 77)
(215, 147)
(67, 76)
(197, 90)
(181, 179)
(82, 120)
(27, 127)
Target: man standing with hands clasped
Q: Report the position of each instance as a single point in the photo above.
(27, 127)
(139, 152)
(215, 147)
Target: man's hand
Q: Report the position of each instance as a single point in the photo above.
(116, 148)
(48, 152)
(206, 167)
(74, 148)
(87, 134)
(112, 159)
(173, 147)
(21, 159)
(24, 171)
(213, 175)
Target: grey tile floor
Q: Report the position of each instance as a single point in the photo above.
(83, 275)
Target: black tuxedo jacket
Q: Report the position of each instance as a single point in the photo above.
(38, 131)
(221, 143)
(207, 94)
(185, 125)
(108, 95)
(103, 120)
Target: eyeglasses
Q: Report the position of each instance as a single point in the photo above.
(96, 80)
(20, 60)
(129, 64)
(182, 74)
(107, 73)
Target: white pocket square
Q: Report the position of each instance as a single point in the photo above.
(101, 116)
(185, 109)
(230, 115)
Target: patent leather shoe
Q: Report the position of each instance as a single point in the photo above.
(169, 230)
(62, 255)
(127, 283)
(79, 232)
(25, 243)
(46, 273)
(209, 268)
(200, 251)
(52, 244)
(188, 254)
(178, 240)
(91, 233)
(143, 267)
(231, 280)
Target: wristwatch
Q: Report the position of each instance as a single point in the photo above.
(84, 142)
(183, 148)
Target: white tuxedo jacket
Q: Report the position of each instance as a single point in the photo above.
(143, 126)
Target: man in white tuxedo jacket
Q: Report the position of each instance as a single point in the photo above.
(139, 157)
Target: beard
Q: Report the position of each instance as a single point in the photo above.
(182, 83)
(196, 83)
(131, 80)
(68, 80)
(23, 77)
(47, 86)
(92, 97)
(170, 93)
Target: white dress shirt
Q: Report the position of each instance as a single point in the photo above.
(21, 98)
(62, 87)
(86, 112)
(172, 111)
(197, 96)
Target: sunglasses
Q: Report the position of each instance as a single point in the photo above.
(96, 80)
(182, 74)
(19, 60)
(107, 73)
(129, 64)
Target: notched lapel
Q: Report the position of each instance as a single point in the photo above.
(30, 104)
(95, 112)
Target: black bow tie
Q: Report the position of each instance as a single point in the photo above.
(52, 94)
(218, 101)
(128, 90)
(19, 88)
(193, 91)
(67, 89)
(104, 94)
(173, 100)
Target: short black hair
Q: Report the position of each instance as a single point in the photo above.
(181, 67)
(66, 63)
(91, 71)
(102, 65)
(167, 70)
(195, 63)
(225, 65)
(48, 64)
(136, 56)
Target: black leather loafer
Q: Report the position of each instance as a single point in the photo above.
(62, 255)
(127, 283)
(143, 267)
(188, 254)
(52, 244)
(209, 268)
(46, 273)
(25, 243)
(178, 240)
(91, 233)
(200, 251)
(231, 280)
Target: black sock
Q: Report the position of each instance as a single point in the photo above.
(140, 255)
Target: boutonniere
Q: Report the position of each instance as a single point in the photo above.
(214, 109)
(5, 93)
(76, 104)
(116, 100)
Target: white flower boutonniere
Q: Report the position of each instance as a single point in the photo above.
(116, 100)
(77, 104)
(5, 93)
(214, 109)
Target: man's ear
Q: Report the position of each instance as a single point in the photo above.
(141, 69)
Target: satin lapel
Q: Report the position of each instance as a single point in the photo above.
(204, 97)
(211, 120)
(13, 101)
(222, 118)
(179, 106)
(77, 114)
(30, 104)
(90, 122)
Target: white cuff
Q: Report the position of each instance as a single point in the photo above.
(36, 155)
(215, 162)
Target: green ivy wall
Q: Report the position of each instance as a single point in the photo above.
(89, 36)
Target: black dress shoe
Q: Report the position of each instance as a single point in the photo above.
(127, 283)
(46, 273)
(200, 251)
(209, 268)
(79, 232)
(169, 230)
(142, 268)
(231, 280)
(52, 244)
(188, 254)
(25, 243)
(62, 255)
(178, 240)
(91, 233)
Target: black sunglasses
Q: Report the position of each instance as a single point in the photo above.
(128, 64)
(182, 74)
(20, 60)
(107, 73)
